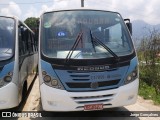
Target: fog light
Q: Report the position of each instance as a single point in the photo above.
(47, 78)
(54, 82)
(7, 78)
(130, 97)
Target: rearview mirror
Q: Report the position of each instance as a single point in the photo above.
(129, 25)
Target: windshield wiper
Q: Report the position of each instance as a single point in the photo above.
(97, 41)
(69, 55)
(92, 40)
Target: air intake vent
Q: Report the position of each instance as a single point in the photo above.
(92, 97)
(80, 77)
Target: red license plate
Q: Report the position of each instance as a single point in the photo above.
(93, 107)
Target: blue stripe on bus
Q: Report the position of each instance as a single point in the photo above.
(72, 79)
(6, 69)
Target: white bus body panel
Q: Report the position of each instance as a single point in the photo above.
(61, 100)
(9, 96)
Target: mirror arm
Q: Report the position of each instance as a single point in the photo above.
(127, 19)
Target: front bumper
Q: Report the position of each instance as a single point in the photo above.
(61, 100)
(9, 96)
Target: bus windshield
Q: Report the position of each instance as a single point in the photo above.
(61, 29)
(6, 37)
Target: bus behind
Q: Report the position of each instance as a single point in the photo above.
(18, 61)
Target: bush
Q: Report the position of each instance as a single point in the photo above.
(149, 61)
(148, 92)
(150, 75)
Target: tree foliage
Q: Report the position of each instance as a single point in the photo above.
(31, 22)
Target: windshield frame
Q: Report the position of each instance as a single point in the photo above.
(57, 59)
(14, 39)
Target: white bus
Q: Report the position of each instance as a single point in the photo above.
(87, 60)
(18, 60)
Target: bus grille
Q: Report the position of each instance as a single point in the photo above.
(88, 84)
(82, 81)
(94, 99)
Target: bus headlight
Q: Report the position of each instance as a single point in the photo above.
(51, 81)
(129, 78)
(47, 78)
(54, 82)
(132, 76)
(6, 79)
(134, 73)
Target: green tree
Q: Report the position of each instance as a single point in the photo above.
(31, 22)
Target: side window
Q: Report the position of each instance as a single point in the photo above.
(21, 50)
(33, 47)
(26, 36)
(23, 40)
(34, 43)
(27, 43)
(30, 43)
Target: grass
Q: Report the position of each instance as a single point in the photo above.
(148, 92)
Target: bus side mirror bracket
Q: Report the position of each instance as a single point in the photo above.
(129, 25)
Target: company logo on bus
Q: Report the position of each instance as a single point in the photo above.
(93, 68)
(94, 85)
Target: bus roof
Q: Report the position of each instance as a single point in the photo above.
(68, 9)
(10, 16)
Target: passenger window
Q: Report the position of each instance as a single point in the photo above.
(23, 38)
(21, 52)
(29, 42)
